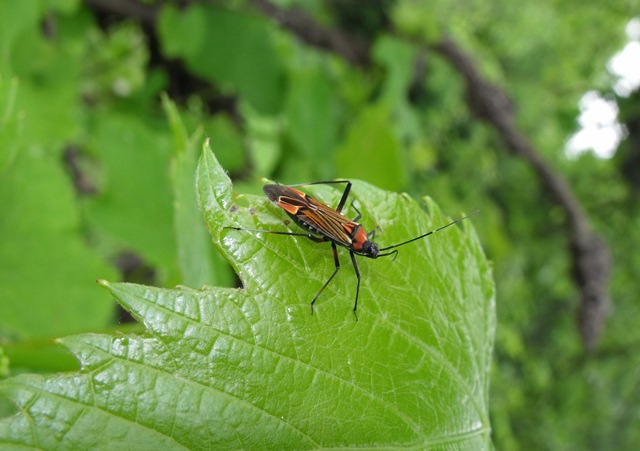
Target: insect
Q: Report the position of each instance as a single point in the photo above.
(327, 224)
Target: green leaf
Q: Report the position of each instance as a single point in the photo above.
(372, 150)
(397, 57)
(225, 135)
(49, 75)
(135, 153)
(46, 267)
(10, 123)
(231, 49)
(312, 116)
(198, 261)
(252, 369)
(4, 363)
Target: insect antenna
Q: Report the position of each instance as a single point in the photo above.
(395, 252)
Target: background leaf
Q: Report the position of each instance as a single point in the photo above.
(252, 369)
(229, 48)
(199, 263)
(372, 149)
(46, 253)
(135, 155)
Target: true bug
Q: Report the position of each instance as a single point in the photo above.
(327, 224)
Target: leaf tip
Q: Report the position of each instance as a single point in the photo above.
(103, 283)
(206, 145)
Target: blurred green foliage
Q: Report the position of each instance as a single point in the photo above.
(90, 169)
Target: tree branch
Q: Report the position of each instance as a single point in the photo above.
(352, 48)
(591, 258)
(127, 8)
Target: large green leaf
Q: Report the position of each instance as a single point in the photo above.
(252, 369)
(135, 153)
(233, 50)
(312, 113)
(45, 263)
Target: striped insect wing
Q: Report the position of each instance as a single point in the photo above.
(328, 222)
(290, 200)
(273, 192)
(310, 213)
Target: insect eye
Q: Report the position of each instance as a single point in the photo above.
(370, 249)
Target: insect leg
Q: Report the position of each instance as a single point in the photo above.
(357, 218)
(275, 232)
(337, 262)
(355, 266)
(345, 194)
(344, 197)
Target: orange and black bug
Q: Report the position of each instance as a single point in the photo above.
(327, 224)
